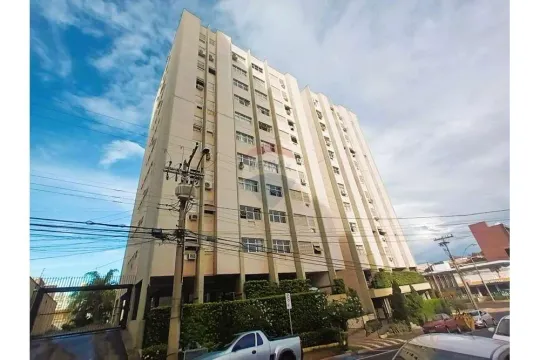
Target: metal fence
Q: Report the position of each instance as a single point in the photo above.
(72, 305)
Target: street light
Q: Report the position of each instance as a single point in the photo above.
(478, 271)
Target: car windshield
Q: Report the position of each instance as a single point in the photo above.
(438, 317)
(410, 351)
(504, 328)
(474, 313)
(224, 346)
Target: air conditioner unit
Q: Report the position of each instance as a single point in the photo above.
(210, 57)
(240, 165)
(376, 218)
(307, 204)
(200, 87)
(343, 193)
(313, 230)
(193, 217)
(370, 201)
(235, 57)
(344, 129)
(285, 98)
(299, 161)
(287, 107)
(201, 53)
(283, 85)
(303, 182)
(292, 128)
(207, 185)
(192, 256)
(288, 112)
(332, 108)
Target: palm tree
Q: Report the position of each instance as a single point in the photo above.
(93, 307)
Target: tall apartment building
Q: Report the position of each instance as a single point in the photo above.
(290, 187)
(494, 240)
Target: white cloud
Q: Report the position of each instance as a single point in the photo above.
(427, 79)
(120, 150)
(53, 55)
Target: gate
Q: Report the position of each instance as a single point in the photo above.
(62, 306)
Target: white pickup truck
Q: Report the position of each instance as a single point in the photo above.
(255, 345)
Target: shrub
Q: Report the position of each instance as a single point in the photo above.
(399, 327)
(397, 300)
(372, 325)
(155, 352)
(294, 286)
(435, 306)
(209, 324)
(320, 337)
(339, 287)
(384, 279)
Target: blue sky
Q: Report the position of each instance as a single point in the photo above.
(428, 80)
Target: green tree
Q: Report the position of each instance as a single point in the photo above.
(340, 312)
(93, 307)
(397, 301)
(415, 307)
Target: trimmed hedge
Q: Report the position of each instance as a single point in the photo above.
(372, 325)
(209, 324)
(264, 288)
(384, 279)
(320, 337)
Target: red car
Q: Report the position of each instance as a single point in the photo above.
(441, 323)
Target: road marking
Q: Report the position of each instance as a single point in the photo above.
(374, 355)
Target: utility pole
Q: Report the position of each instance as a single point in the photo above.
(184, 193)
(478, 271)
(444, 244)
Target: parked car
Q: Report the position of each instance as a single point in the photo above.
(441, 323)
(455, 347)
(255, 345)
(481, 318)
(502, 332)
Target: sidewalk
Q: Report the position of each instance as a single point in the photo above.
(359, 341)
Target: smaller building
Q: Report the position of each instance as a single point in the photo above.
(444, 278)
(493, 240)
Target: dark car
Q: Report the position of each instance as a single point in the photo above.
(441, 323)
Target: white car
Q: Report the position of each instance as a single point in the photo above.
(502, 332)
(482, 319)
(455, 347)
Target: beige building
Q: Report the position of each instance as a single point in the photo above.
(290, 187)
(47, 308)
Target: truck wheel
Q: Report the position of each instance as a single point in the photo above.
(287, 356)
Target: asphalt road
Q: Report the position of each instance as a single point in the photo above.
(389, 352)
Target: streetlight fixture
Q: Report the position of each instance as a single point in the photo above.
(478, 271)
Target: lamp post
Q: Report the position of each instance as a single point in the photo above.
(478, 271)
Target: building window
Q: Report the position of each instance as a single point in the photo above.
(360, 249)
(252, 245)
(212, 41)
(201, 52)
(296, 195)
(319, 114)
(239, 70)
(347, 206)
(263, 110)
(302, 177)
(294, 140)
(265, 127)
(284, 95)
(306, 198)
(250, 213)
(274, 190)
(241, 100)
(197, 127)
(298, 158)
(240, 84)
(277, 216)
(248, 185)
(353, 226)
(270, 167)
(331, 154)
(245, 138)
(257, 68)
(211, 87)
(282, 246)
(202, 38)
(200, 65)
(242, 117)
(336, 169)
(341, 188)
(258, 81)
(261, 95)
(246, 160)
(323, 127)
(266, 146)
(327, 140)
(211, 105)
(305, 247)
